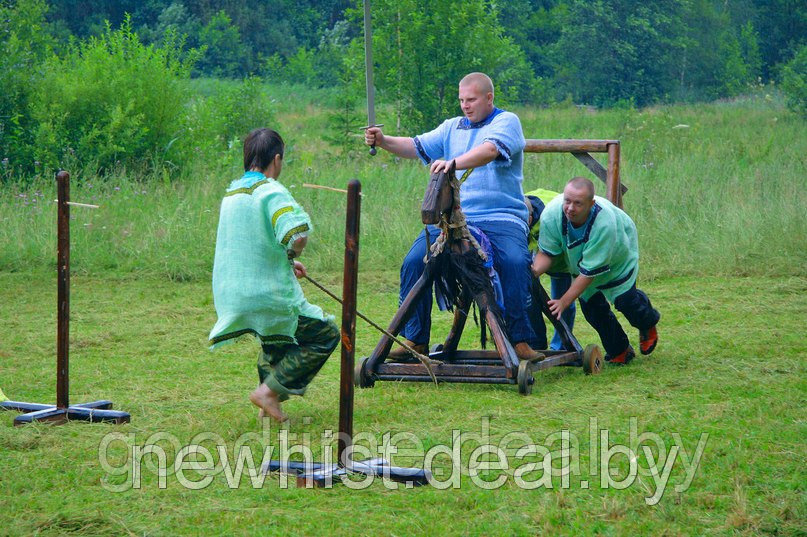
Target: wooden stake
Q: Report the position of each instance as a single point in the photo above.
(77, 204)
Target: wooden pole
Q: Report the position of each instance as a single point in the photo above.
(612, 178)
(565, 146)
(63, 291)
(350, 278)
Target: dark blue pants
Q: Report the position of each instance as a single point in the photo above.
(511, 259)
(559, 284)
(633, 304)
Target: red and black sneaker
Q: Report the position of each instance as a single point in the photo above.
(622, 358)
(648, 340)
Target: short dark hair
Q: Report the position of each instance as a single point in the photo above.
(260, 147)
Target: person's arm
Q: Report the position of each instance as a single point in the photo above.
(579, 284)
(295, 251)
(297, 246)
(541, 264)
(397, 145)
(476, 157)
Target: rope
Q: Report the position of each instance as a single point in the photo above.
(456, 224)
(425, 360)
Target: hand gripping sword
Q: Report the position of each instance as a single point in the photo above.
(368, 70)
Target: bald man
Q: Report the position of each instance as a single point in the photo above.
(489, 142)
(601, 249)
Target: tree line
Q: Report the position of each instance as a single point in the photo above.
(599, 52)
(125, 58)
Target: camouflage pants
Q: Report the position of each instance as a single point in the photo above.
(288, 368)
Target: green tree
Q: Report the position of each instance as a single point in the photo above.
(794, 81)
(422, 49)
(534, 25)
(618, 51)
(224, 54)
(174, 19)
(782, 25)
(24, 46)
(124, 102)
(718, 58)
(345, 120)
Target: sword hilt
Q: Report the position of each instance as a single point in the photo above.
(373, 150)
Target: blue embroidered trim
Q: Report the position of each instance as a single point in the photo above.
(465, 124)
(595, 210)
(592, 273)
(421, 151)
(617, 282)
(502, 148)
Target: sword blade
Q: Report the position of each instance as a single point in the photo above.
(368, 64)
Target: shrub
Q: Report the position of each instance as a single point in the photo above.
(794, 81)
(214, 126)
(112, 100)
(24, 46)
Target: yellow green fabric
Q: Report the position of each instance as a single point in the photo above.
(545, 196)
(559, 265)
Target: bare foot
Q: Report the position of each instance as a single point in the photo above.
(268, 402)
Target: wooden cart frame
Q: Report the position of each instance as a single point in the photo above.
(499, 366)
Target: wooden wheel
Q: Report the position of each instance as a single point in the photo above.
(592, 360)
(525, 378)
(359, 379)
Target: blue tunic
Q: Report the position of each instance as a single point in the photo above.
(492, 192)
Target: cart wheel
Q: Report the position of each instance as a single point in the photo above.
(592, 360)
(525, 378)
(358, 376)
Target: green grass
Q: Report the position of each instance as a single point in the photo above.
(730, 364)
(719, 206)
(724, 195)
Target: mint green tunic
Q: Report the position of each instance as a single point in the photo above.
(254, 287)
(608, 251)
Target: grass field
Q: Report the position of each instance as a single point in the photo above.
(730, 364)
(718, 192)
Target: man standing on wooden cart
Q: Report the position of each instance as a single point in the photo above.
(488, 144)
(601, 247)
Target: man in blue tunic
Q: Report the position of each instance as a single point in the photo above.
(489, 142)
(601, 248)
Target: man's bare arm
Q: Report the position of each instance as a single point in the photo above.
(579, 285)
(397, 145)
(476, 157)
(540, 264)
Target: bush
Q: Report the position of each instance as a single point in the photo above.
(112, 100)
(214, 126)
(794, 82)
(24, 46)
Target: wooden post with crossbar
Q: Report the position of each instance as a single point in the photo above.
(61, 412)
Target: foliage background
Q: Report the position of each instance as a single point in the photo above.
(108, 83)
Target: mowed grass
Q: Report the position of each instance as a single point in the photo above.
(730, 363)
(718, 193)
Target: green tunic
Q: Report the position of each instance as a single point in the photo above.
(608, 251)
(254, 287)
